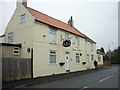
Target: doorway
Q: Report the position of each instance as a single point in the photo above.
(67, 60)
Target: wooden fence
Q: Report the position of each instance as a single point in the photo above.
(16, 69)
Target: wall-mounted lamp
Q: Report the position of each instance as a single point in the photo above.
(44, 35)
(28, 50)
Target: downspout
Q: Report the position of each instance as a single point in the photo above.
(31, 62)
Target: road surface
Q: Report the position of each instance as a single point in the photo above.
(107, 78)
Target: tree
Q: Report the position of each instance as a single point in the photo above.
(102, 50)
(115, 56)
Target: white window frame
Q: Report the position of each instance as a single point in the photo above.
(53, 36)
(77, 42)
(10, 37)
(52, 54)
(99, 58)
(92, 57)
(66, 36)
(22, 18)
(16, 49)
(77, 55)
(91, 46)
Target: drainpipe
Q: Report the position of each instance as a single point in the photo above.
(31, 62)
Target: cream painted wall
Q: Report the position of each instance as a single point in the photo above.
(42, 47)
(31, 35)
(91, 52)
(23, 32)
(1, 39)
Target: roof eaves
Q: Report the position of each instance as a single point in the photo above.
(86, 36)
(59, 28)
(90, 40)
(2, 35)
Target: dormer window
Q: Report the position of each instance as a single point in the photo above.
(22, 18)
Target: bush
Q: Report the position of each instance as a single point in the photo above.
(105, 58)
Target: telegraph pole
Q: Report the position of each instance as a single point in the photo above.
(109, 51)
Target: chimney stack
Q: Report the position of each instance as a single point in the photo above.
(70, 22)
(22, 2)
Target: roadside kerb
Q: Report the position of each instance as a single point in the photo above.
(45, 79)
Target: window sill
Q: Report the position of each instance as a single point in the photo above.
(77, 63)
(16, 54)
(76, 49)
(22, 22)
(53, 64)
(53, 43)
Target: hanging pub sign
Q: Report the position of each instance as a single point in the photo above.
(66, 43)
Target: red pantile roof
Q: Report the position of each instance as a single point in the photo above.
(54, 22)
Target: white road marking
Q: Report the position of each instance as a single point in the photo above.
(85, 87)
(105, 78)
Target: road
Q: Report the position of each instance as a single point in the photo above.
(107, 78)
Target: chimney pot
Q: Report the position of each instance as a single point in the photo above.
(70, 22)
(24, 2)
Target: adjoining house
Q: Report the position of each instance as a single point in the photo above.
(53, 46)
(100, 58)
(13, 66)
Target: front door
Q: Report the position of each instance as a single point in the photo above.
(67, 60)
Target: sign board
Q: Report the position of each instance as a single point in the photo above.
(66, 43)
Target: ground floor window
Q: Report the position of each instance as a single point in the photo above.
(16, 51)
(77, 58)
(52, 57)
(92, 57)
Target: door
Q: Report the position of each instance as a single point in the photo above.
(67, 60)
(87, 61)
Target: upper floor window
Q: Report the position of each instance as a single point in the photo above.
(66, 36)
(52, 57)
(52, 36)
(16, 51)
(22, 18)
(10, 37)
(77, 58)
(92, 57)
(91, 46)
(76, 42)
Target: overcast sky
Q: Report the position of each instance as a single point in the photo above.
(98, 19)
